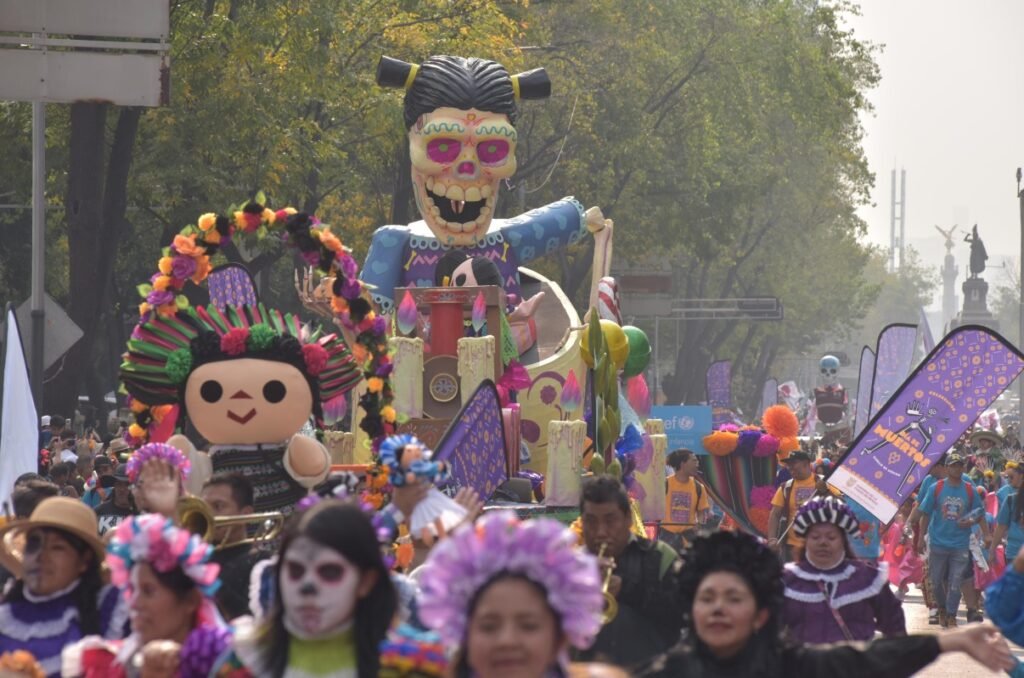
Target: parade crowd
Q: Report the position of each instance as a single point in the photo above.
(103, 576)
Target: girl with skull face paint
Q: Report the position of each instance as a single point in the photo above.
(333, 604)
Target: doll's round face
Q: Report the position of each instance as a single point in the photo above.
(247, 401)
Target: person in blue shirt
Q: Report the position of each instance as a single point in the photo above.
(1004, 602)
(96, 494)
(1010, 519)
(948, 511)
(936, 473)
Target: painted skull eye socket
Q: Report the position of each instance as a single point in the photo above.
(211, 390)
(443, 150)
(295, 570)
(330, 573)
(492, 151)
(274, 391)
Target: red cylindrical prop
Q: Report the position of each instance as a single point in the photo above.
(445, 328)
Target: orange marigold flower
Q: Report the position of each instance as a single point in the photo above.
(136, 431)
(389, 414)
(212, 237)
(269, 215)
(339, 304)
(162, 283)
(165, 265)
(186, 245)
(207, 221)
(143, 308)
(374, 384)
(203, 269)
(330, 241)
(161, 411)
(359, 353)
(167, 310)
(138, 406)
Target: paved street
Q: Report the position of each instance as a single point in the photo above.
(958, 665)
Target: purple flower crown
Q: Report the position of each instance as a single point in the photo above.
(542, 550)
(168, 453)
(826, 510)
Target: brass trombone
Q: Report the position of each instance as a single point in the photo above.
(195, 515)
(611, 605)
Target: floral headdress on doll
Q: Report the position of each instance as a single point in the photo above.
(189, 258)
(159, 451)
(543, 551)
(163, 351)
(155, 540)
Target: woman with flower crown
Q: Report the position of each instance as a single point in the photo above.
(168, 582)
(511, 597)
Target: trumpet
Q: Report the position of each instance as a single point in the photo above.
(195, 515)
(611, 606)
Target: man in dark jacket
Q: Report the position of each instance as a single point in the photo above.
(643, 580)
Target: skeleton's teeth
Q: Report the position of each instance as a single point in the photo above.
(439, 189)
(435, 210)
(454, 227)
(485, 210)
(485, 191)
(455, 193)
(472, 194)
(430, 183)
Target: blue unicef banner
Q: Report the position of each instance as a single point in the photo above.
(926, 415)
(685, 425)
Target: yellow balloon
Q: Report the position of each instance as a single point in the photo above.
(614, 338)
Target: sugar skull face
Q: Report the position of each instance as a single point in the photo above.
(319, 589)
(829, 367)
(458, 161)
(247, 401)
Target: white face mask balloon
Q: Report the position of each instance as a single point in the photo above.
(319, 589)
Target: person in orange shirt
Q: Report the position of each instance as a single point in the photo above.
(790, 496)
(686, 500)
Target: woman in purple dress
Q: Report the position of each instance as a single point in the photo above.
(59, 595)
(830, 596)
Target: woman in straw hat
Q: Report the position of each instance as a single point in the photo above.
(59, 595)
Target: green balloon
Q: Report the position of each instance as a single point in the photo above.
(639, 351)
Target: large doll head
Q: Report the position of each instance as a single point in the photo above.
(461, 116)
(246, 375)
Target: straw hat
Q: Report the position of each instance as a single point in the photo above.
(62, 513)
(991, 436)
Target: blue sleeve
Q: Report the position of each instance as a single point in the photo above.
(383, 265)
(545, 229)
(1004, 603)
(1003, 517)
(927, 505)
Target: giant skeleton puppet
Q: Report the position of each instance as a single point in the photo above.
(461, 116)
(830, 398)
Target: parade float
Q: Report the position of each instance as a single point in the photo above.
(443, 333)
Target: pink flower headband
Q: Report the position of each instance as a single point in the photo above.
(171, 455)
(154, 539)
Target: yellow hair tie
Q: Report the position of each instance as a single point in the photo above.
(515, 86)
(413, 70)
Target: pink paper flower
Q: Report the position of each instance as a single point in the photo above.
(315, 357)
(233, 343)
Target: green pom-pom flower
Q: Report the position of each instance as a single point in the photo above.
(179, 364)
(261, 337)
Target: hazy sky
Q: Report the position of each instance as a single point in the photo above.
(950, 111)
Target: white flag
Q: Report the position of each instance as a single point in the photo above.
(19, 432)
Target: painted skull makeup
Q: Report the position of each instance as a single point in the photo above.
(459, 158)
(319, 589)
(829, 368)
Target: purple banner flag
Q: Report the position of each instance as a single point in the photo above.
(893, 359)
(958, 381)
(719, 389)
(867, 373)
(769, 393)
